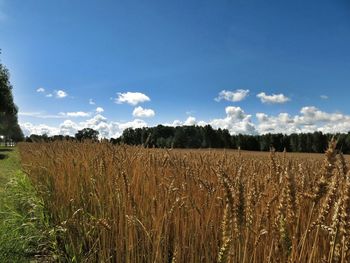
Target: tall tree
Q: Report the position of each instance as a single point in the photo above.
(87, 134)
(8, 110)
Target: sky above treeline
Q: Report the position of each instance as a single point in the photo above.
(248, 66)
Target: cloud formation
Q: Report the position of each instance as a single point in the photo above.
(106, 129)
(40, 90)
(234, 96)
(143, 113)
(60, 115)
(76, 114)
(60, 94)
(272, 99)
(236, 121)
(99, 110)
(309, 119)
(132, 98)
(91, 102)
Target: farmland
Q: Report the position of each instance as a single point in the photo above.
(132, 204)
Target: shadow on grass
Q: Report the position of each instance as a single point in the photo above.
(5, 150)
(3, 156)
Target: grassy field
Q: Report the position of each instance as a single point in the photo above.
(131, 204)
(23, 230)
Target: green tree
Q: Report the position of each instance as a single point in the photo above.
(8, 110)
(87, 133)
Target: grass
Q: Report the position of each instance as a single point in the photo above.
(24, 230)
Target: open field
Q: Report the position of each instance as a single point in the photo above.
(131, 204)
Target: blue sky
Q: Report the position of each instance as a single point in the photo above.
(180, 55)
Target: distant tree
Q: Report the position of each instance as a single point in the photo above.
(179, 138)
(8, 110)
(87, 133)
(319, 142)
(294, 142)
(129, 136)
(207, 137)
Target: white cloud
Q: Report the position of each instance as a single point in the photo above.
(175, 123)
(310, 119)
(236, 121)
(137, 123)
(91, 102)
(272, 99)
(60, 94)
(132, 98)
(106, 129)
(48, 95)
(233, 96)
(99, 110)
(29, 128)
(324, 97)
(40, 90)
(40, 115)
(143, 113)
(190, 121)
(61, 115)
(77, 114)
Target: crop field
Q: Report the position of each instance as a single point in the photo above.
(132, 204)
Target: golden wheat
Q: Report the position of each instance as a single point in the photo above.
(133, 204)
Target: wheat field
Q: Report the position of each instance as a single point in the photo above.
(132, 204)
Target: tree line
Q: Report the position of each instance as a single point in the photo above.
(207, 137)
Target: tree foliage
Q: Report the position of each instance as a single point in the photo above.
(8, 110)
(207, 137)
(87, 134)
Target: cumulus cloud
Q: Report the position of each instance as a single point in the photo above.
(143, 113)
(106, 128)
(310, 119)
(60, 94)
(236, 121)
(99, 110)
(175, 123)
(272, 99)
(137, 123)
(233, 96)
(190, 121)
(132, 98)
(29, 128)
(40, 90)
(91, 102)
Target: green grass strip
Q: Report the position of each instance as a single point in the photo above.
(25, 235)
